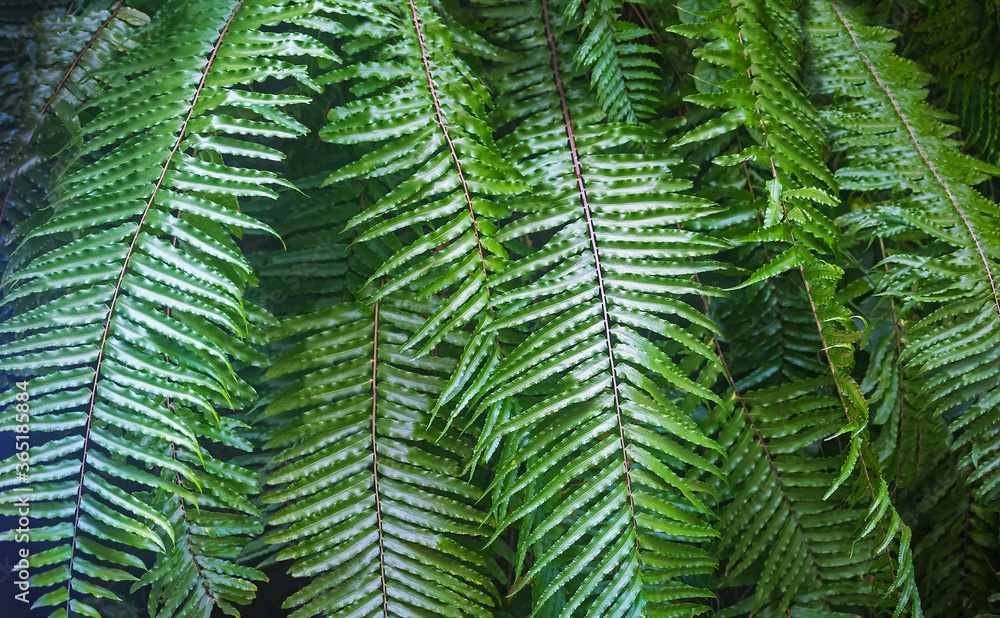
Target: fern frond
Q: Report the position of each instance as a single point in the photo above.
(800, 544)
(372, 508)
(603, 327)
(441, 308)
(43, 93)
(955, 558)
(755, 44)
(955, 41)
(200, 572)
(623, 76)
(57, 80)
(878, 101)
(146, 306)
(953, 545)
(420, 114)
(312, 268)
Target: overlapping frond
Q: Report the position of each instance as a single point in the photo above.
(953, 548)
(543, 333)
(784, 533)
(142, 317)
(420, 114)
(312, 268)
(956, 41)
(954, 271)
(755, 44)
(623, 74)
(952, 552)
(43, 92)
(200, 572)
(607, 347)
(955, 558)
(373, 509)
(55, 81)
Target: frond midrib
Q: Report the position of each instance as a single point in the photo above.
(375, 477)
(439, 114)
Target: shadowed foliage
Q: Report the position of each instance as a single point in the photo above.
(501, 308)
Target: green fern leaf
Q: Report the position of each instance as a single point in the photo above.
(755, 44)
(427, 123)
(623, 76)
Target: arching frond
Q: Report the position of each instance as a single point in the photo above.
(56, 80)
(501, 308)
(421, 114)
(952, 554)
(754, 44)
(602, 327)
(313, 268)
(954, 272)
(201, 571)
(43, 92)
(623, 75)
(146, 306)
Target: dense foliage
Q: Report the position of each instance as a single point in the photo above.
(502, 307)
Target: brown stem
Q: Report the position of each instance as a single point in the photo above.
(843, 402)
(447, 137)
(378, 493)
(187, 531)
(815, 313)
(757, 433)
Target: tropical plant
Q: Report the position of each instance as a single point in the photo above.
(500, 308)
